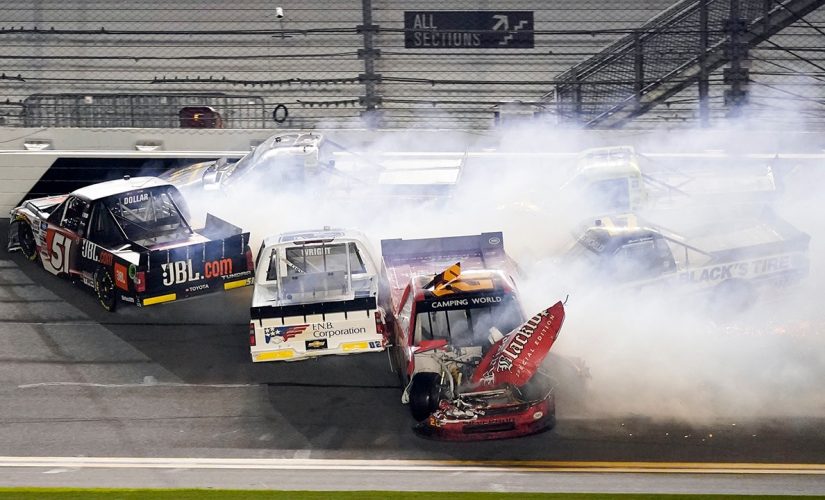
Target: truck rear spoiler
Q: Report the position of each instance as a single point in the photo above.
(488, 248)
(790, 240)
(351, 308)
(229, 247)
(222, 263)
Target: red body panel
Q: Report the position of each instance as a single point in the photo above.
(500, 422)
(514, 359)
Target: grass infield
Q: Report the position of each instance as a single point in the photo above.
(201, 494)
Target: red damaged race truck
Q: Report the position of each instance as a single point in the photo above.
(468, 360)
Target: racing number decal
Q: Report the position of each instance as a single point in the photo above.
(58, 246)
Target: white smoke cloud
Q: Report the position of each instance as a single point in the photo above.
(652, 354)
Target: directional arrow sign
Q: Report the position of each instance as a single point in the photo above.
(503, 22)
(481, 29)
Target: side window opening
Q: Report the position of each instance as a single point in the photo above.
(260, 256)
(356, 263)
(272, 268)
(637, 259)
(102, 228)
(57, 214)
(73, 216)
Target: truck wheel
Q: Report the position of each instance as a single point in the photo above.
(731, 297)
(26, 239)
(105, 289)
(425, 393)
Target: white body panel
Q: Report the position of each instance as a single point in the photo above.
(335, 311)
(291, 338)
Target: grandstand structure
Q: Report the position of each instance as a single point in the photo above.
(409, 64)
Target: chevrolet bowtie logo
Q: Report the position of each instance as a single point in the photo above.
(315, 343)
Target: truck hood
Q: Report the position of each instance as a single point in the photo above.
(47, 204)
(515, 358)
(188, 176)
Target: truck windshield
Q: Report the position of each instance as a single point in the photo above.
(608, 195)
(468, 326)
(323, 258)
(314, 267)
(149, 216)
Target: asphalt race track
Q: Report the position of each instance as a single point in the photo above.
(176, 381)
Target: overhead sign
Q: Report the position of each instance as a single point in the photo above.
(486, 29)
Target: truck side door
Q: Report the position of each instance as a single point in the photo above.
(405, 326)
(66, 225)
(102, 237)
(642, 259)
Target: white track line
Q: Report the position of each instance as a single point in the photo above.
(410, 465)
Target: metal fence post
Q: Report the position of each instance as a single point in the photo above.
(638, 67)
(737, 74)
(369, 78)
(704, 84)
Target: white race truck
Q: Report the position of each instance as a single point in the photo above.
(316, 294)
(618, 179)
(735, 259)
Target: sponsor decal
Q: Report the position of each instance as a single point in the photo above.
(182, 271)
(481, 301)
(495, 240)
(95, 253)
(280, 334)
(120, 276)
(196, 288)
(509, 352)
(740, 270)
(135, 198)
(126, 298)
(327, 330)
(316, 344)
(236, 275)
(450, 303)
(316, 251)
(44, 226)
(592, 242)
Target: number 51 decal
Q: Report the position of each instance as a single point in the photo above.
(58, 248)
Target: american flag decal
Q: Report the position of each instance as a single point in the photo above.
(284, 332)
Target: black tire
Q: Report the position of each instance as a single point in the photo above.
(105, 289)
(26, 239)
(425, 393)
(731, 297)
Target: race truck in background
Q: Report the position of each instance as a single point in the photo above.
(736, 258)
(617, 179)
(312, 158)
(468, 362)
(316, 293)
(280, 158)
(129, 240)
